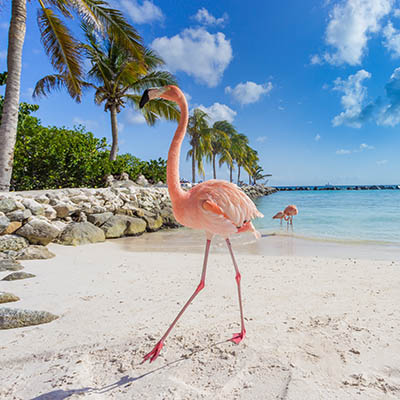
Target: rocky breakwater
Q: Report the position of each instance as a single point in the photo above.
(31, 220)
(254, 191)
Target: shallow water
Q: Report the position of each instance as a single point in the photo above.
(359, 216)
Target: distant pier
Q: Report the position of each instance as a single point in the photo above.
(337, 187)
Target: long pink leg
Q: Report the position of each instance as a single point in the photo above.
(157, 348)
(237, 337)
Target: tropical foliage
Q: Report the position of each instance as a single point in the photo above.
(221, 140)
(119, 76)
(64, 52)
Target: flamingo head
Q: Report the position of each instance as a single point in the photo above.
(169, 92)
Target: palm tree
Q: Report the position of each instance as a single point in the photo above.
(250, 162)
(200, 140)
(119, 77)
(221, 132)
(238, 151)
(258, 174)
(63, 51)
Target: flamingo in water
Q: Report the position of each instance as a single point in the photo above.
(280, 215)
(289, 212)
(217, 207)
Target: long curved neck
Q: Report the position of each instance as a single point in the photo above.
(174, 187)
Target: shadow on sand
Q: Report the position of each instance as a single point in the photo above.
(123, 381)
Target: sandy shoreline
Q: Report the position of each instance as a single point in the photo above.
(317, 327)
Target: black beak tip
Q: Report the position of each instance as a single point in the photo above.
(144, 99)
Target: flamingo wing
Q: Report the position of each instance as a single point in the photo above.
(224, 206)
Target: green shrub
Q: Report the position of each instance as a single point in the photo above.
(48, 158)
(52, 158)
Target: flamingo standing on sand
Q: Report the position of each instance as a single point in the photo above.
(217, 207)
(280, 215)
(290, 211)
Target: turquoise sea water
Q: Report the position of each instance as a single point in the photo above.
(370, 215)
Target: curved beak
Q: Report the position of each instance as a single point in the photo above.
(145, 98)
(150, 94)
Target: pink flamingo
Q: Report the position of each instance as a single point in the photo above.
(217, 207)
(290, 211)
(280, 215)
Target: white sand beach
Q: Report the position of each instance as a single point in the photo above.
(320, 324)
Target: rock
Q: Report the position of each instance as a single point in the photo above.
(124, 176)
(7, 205)
(12, 242)
(38, 231)
(4, 222)
(79, 199)
(154, 222)
(12, 227)
(99, 219)
(16, 318)
(7, 297)
(19, 215)
(34, 206)
(14, 276)
(115, 226)
(10, 265)
(81, 233)
(169, 219)
(109, 179)
(42, 199)
(59, 225)
(142, 181)
(63, 210)
(136, 226)
(49, 212)
(35, 253)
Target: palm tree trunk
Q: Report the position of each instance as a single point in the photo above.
(214, 170)
(194, 165)
(249, 179)
(238, 174)
(114, 129)
(9, 120)
(230, 173)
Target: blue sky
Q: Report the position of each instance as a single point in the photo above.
(313, 84)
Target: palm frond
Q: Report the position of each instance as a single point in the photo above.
(155, 78)
(54, 82)
(62, 49)
(155, 109)
(97, 12)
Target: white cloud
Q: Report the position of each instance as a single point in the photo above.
(134, 117)
(316, 59)
(342, 152)
(249, 92)
(219, 112)
(352, 100)
(317, 137)
(200, 54)
(396, 13)
(261, 139)
(364, 146)
(4, 25)
(382, 162)
(350, 27)
(187, 96)
(121, 127)
(392, 42)
(205, 18)
(142, 14)
(3, 54)
(87, 123)
(281, 108)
